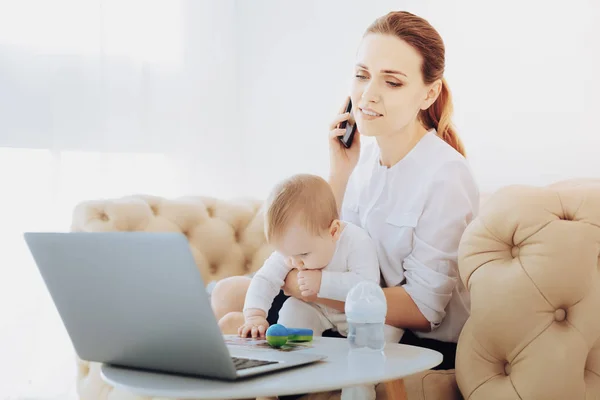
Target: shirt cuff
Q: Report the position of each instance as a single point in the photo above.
(259, 303)
(430, 304)
(328, 286)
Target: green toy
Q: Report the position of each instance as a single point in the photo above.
(278, 335)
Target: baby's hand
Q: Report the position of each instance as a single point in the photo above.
(255, 326)
(309, 282)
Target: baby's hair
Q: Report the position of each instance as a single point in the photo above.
(304, 196)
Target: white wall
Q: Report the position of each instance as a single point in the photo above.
(524, 77)
(295, 62)
(136, 76)
(100, 98)
(239, 94)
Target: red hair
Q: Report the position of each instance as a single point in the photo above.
(419, 34)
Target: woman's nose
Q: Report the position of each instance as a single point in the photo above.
(371, 93)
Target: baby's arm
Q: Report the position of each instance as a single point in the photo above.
(363, 264)
(265, 285)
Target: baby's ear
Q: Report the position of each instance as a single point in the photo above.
(335, 229)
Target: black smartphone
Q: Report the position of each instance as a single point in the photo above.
(350, 127)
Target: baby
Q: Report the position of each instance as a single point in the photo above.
(302, 224)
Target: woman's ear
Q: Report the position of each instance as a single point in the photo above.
(433, 91)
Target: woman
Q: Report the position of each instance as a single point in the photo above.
(411, 188)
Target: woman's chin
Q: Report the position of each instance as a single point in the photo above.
(364, 130)
(369, 129)
(367, 132)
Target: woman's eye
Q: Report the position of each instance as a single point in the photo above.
(394, 84)
(359, 76)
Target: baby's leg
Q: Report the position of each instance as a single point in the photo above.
(300, 314)
(230, 323)
(229, 295)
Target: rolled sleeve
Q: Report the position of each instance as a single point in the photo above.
(362, 265)
(266, 283)
(431, 269)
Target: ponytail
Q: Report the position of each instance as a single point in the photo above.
(439, 115)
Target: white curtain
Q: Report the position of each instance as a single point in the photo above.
(99, 99)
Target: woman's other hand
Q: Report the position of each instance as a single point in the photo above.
(342, 160)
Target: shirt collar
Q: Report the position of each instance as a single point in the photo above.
(413, 156)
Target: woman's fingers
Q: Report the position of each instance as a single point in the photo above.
(337, 120)
(336, 133)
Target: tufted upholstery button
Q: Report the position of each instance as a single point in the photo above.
(560, 315)
(211, 211)
(213, 268)
(103, 217)
(515, 251)
(507, 368)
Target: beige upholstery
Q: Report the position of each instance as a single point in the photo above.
(226, 237)
(530, 253)
(531, 262)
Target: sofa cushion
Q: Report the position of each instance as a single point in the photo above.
(531, 263)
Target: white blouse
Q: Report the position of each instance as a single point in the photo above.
(416, 211)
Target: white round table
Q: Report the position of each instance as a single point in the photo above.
(341, 368)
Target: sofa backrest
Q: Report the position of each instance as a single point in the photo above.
(226, 237)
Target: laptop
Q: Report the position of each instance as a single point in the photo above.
(137, 300)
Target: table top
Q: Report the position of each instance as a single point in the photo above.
(341, 368)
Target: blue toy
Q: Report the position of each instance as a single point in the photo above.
(278, 335)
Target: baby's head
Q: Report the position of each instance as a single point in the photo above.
(301, 221)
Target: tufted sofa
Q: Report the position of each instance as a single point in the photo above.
(530, 260)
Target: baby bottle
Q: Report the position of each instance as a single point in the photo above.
(366, 309)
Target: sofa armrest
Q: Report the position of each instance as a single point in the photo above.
(531, 263)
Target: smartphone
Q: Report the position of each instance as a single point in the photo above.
(350, 126)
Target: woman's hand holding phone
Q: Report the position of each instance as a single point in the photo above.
(342, 160)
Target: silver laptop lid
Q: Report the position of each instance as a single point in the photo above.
(133, 299)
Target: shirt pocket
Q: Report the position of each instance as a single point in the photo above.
(398, 234)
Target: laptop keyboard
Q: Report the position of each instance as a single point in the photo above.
(243, 363)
